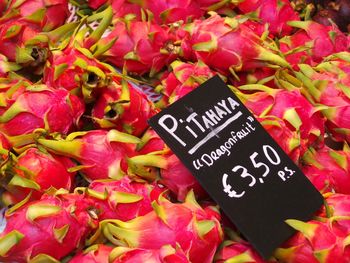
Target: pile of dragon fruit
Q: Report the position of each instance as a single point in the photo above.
(85, 179)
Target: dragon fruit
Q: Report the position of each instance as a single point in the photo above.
(275, 13)
(40, 106)
(315, 242)
(179, 180)
(45, 15)
(95, 4)
(337, 210)
(123, 199)
(101, 154)
(328, 169)
(264, 76)
(312, 43)
(184, 78)
(94, 254)
(151, 142)
(37, 171)
(6, 66)
(124, 108)
(187, 224)
(166, 254)
(216, 38)
(141, 47)
(47, 229)
(76, 70)
(287, 139)
(3, 6)
(331, 91)
(232, 251)
(291, 106)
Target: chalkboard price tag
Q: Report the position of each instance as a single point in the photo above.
(238, 163)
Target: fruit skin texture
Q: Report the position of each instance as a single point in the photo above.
(316, 241)
(94, 254)
(275, 13)
(76, 70)
(141, 47)
(238, 252)
(179, 180)
(46, 15)
(40, 106)
(286, 138)
(123, 107)
(290, 106)
(45, 170)
(323, 40)
(124, 199)
(197, 232)
(225, 44)
(54, 225)
(101, 153)
(184, 78)
(166, 254)
(328, 169)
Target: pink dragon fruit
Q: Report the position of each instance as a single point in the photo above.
(328, 169)
(40, 106)
(102, 154)
(123, 199)
(232, 251)
(141, 47)
(76, 70)
(265, 76)
(184, 78)
(166, 254)
(95, 4)
(3, 6)
(151, 142)
(312, 43)
(37, 171)
(94, 254)
(187, 225)
(291, 106)
(275, 13)
(45, 15)
(331, 91)
(179, 180)
(315, 242)
(47, 229)
(225, 45)
(6, 66)
(124, 108)
(337, 210)
(287, 139)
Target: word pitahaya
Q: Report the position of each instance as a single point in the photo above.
(47, 229)
(226, 45)
(188, 225)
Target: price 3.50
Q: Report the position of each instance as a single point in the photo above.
(272, 157)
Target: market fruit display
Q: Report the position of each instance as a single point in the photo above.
(83, 177)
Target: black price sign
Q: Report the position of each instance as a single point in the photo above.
(238, 163)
